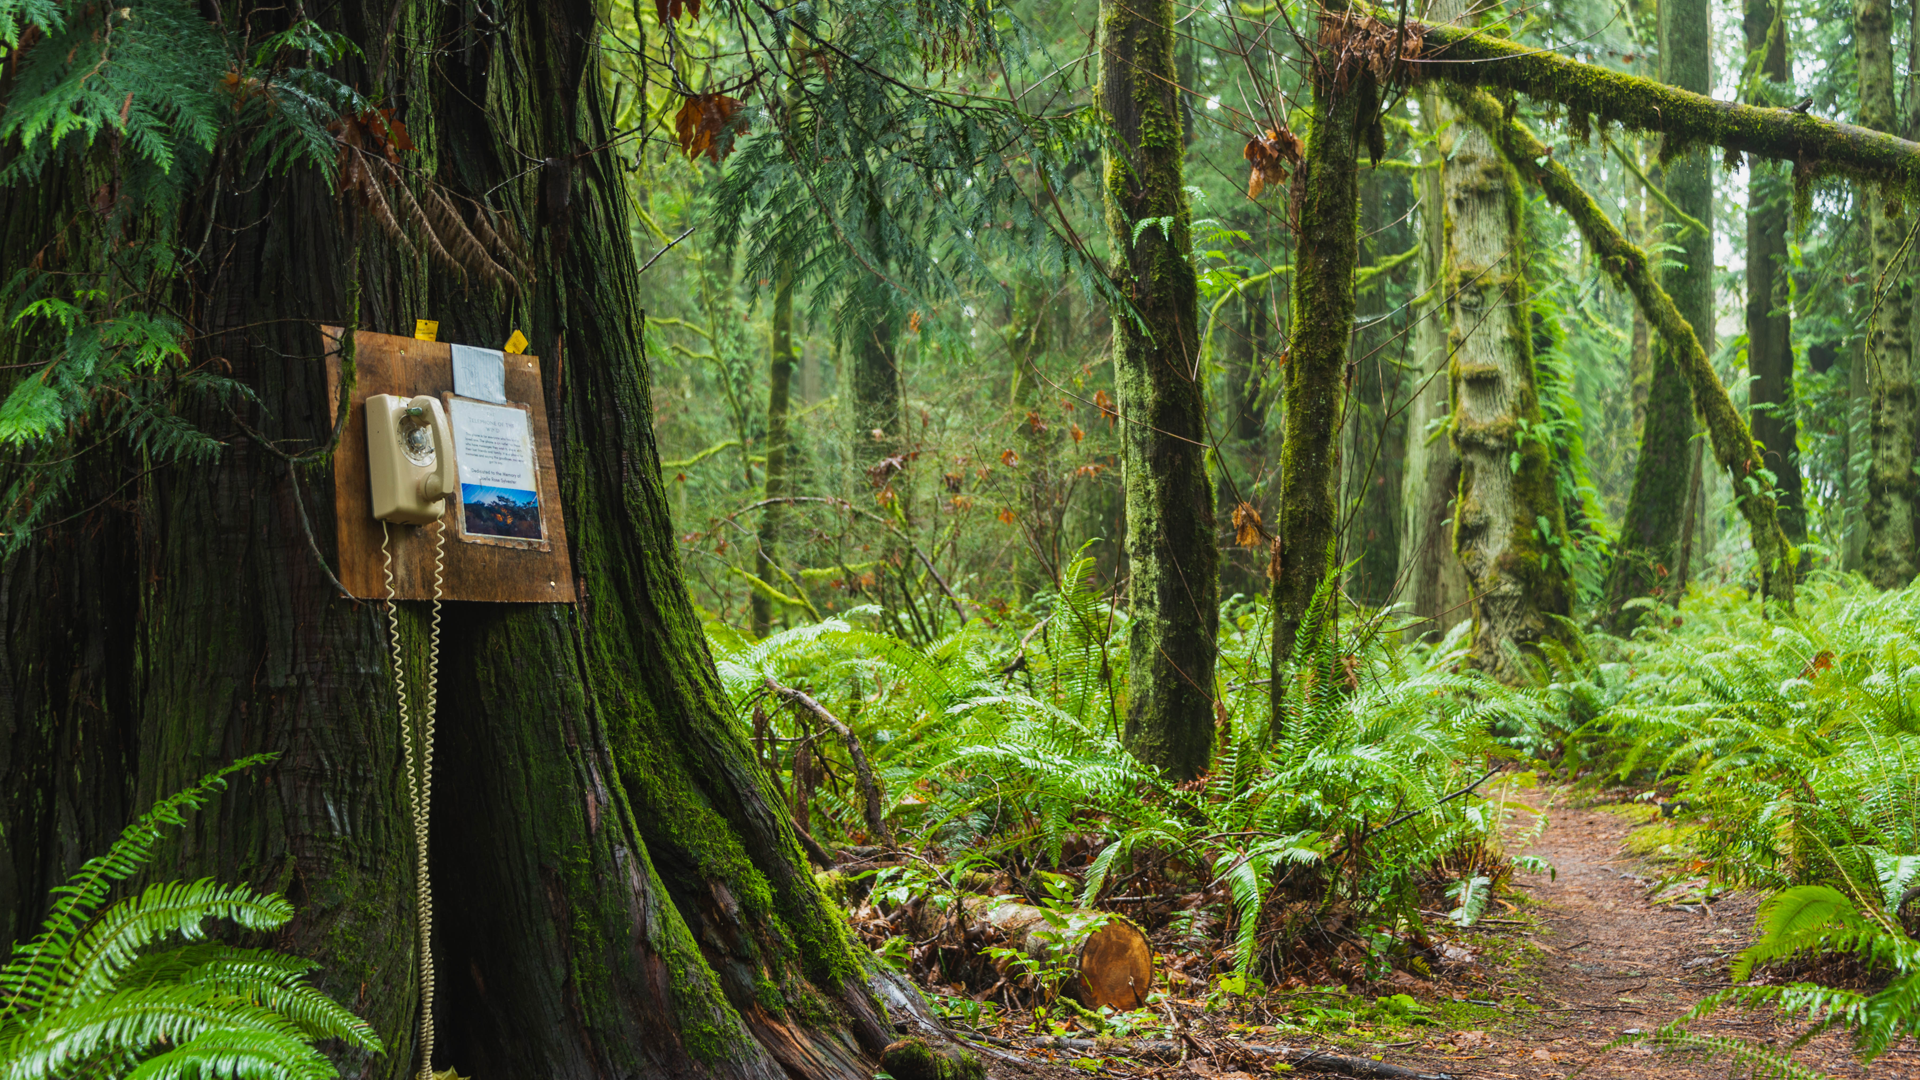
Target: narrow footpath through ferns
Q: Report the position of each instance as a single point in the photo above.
(1616, 940)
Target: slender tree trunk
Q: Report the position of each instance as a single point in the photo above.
(874, 374)
(1042, 516)
(1510, 526)
(620, 895)
(1434, 582)
(780, 364)
(1645, 558)
(1322, 323)
(1645, 221)
(1890, 479)
(1769, 321)
(1173, 583)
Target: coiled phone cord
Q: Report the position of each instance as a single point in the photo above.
(420, 783)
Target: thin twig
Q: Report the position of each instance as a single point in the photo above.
(868, 788)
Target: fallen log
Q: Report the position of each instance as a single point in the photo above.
(1297, 1058)
(1111, 958)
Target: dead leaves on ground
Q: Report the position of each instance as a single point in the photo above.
(707, 124)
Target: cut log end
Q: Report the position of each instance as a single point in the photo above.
(1116, 967)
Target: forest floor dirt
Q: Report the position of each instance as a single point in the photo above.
(1592, 949)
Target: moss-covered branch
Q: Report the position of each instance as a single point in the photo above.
(1816, 147)
(1733, 444)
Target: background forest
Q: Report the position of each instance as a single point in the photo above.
(1033, 473)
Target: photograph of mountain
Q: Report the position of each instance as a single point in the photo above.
(508, 512)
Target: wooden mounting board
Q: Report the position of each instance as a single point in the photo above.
(385, 364)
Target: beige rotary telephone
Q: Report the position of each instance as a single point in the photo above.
(410, 458)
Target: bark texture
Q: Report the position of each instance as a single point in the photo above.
(1769, 318)
(1891, 487)
(619, 896)
(1344, 97)
(1509, 525)
(1733, 444)
(1173, 577)
(1647, 555)
(1433, 583)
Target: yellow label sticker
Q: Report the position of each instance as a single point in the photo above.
(425, 329)
(516, 344)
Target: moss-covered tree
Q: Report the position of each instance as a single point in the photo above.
(1508, 524)
(1173, 578)
(1769, 315)
(1345, 100)
(1891, 487)
(621, 894)
(1646, 558)
(1433, 583)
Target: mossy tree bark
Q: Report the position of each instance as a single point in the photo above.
(1173, 578)
(1509, 523)
(1645, 560)
(1690, 119)
(1891, 486)
(620, 894)
(1344, 98)
(1769, 316)
(1733, 444)
(1433, 583)
(780, 363)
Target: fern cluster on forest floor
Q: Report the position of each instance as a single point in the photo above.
(1324, 850)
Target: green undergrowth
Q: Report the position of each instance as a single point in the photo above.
(1309, 848)
(1781, 755)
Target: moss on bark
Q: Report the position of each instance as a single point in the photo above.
(1768, 314)
(1173, 581)
(1510, 528)
(1891, 485)
(1328, 196)
(619, 894)
(1688, 118)
(1733, 444)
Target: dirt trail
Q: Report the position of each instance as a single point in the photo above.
(1612, 961)
(1593, 954)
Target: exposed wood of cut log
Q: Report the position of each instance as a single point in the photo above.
(1115, 961)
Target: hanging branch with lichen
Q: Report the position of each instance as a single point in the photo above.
(1733, 444)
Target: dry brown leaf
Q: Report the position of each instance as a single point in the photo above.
(1246, 526)
(706, 125)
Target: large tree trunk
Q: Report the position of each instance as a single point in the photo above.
(1433, 583)
(1510, 527)
(1890, 480)
(1173, 583)
(619, 897)
(1322, 323)
(1645, 559)
(1769, 319)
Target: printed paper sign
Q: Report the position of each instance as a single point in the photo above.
(493, 448)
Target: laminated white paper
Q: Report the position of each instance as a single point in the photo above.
(493, 449)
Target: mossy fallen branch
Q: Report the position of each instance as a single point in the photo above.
(1733, 445)
(1817, 147)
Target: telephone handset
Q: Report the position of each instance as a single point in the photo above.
(410, 457)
